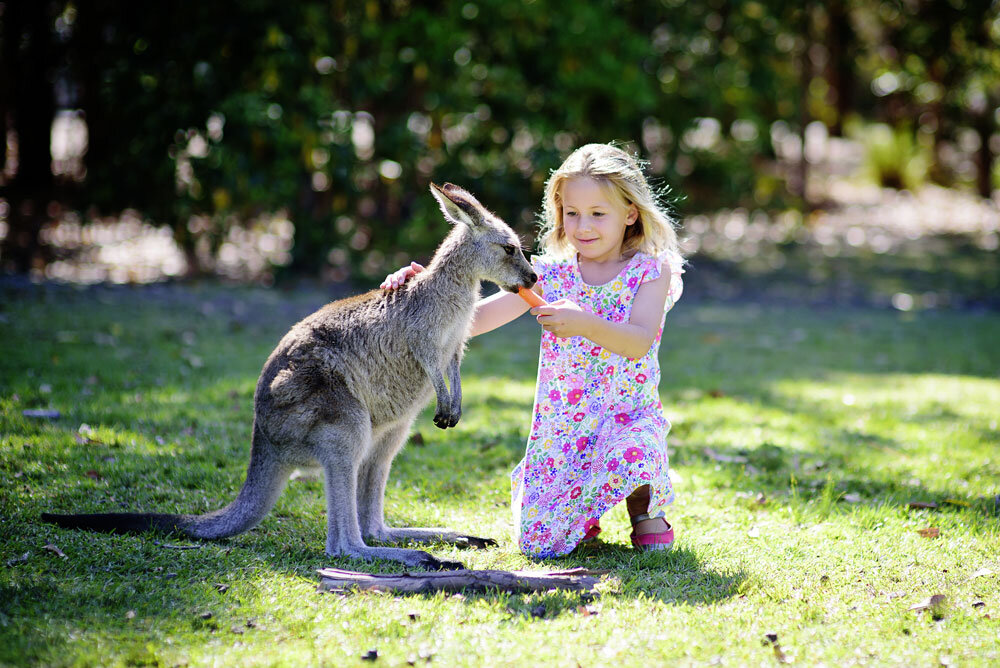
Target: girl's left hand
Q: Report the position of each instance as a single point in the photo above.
(563, 318)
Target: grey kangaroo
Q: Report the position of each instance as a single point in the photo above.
(344, 386)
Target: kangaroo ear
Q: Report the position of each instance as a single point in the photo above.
(453, 205)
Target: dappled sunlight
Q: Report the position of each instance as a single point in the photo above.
(910, 395)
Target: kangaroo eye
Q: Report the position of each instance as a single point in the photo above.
(508, 249)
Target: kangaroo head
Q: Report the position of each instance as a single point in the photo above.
(490, 247)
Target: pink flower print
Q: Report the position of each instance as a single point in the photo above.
(633, 455)
(645, 476)
(633, 281)
(595, 351)
(574, 395)
(550, 462)
(545, 375)
(577, 417)
(577, 491)
(562, 376)
(585, 467)
(613, 464)
(566, 446)
(622, 418)
(590, 524)
(641, 378)
(582, 443)
(554, 395)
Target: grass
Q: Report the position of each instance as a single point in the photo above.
(799, 438)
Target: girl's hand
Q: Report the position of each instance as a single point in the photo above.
(400, 276)
(563, 318)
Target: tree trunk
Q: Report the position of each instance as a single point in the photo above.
(28, 52)
(840, 68)
(805, 78)
(984, 156)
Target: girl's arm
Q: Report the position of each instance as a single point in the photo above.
(495, 311)
(630, 339)
(492, 312)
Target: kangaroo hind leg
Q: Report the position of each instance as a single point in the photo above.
(373, 474)
(340, 448)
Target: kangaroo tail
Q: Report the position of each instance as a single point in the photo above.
(266, 478)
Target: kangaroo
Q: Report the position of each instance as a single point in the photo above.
(343, 387)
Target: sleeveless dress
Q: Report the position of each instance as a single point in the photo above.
(598, 430)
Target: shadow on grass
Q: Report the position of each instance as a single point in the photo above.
(802, 478)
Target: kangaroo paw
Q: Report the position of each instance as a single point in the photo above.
(445, 420)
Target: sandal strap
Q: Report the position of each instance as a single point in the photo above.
(642, 517)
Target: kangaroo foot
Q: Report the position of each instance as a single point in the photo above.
(432, 535)
(412, 558)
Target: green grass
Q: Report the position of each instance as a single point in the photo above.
(799, 437)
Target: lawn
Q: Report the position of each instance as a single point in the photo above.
(801, 438)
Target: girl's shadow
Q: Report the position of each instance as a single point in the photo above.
(676, 576)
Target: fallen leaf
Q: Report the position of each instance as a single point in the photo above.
(957, 502)
(982, 572)
(930, 532)
(94, 475)
(720, 457)
(935, 604)
(52, 548)
(41, 413)
(130, 614)
(979, 604)
(852, 498)
(83, 439)
(922, 505)
(18, 560)
(587, 610)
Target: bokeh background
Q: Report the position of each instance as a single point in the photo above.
(838, 151)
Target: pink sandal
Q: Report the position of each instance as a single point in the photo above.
(663, 540)
(591, 534)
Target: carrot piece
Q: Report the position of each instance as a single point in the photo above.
(530, 297)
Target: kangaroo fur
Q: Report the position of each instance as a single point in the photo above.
(342, 390)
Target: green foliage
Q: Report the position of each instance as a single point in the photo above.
(847, 403)
(339, 114)
(893, 157)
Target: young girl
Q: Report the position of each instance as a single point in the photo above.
(610, 271)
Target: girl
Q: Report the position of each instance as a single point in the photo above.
(610, 271)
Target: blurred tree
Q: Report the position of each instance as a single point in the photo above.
(27, 73)
(338, 114)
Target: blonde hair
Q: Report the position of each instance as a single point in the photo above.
(652, 233)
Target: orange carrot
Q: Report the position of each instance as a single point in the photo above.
(530, 297)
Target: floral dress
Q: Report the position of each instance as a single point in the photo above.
(598, 430)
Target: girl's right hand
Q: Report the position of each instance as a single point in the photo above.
(397, 278)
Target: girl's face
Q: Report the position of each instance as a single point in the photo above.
(594, 220)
